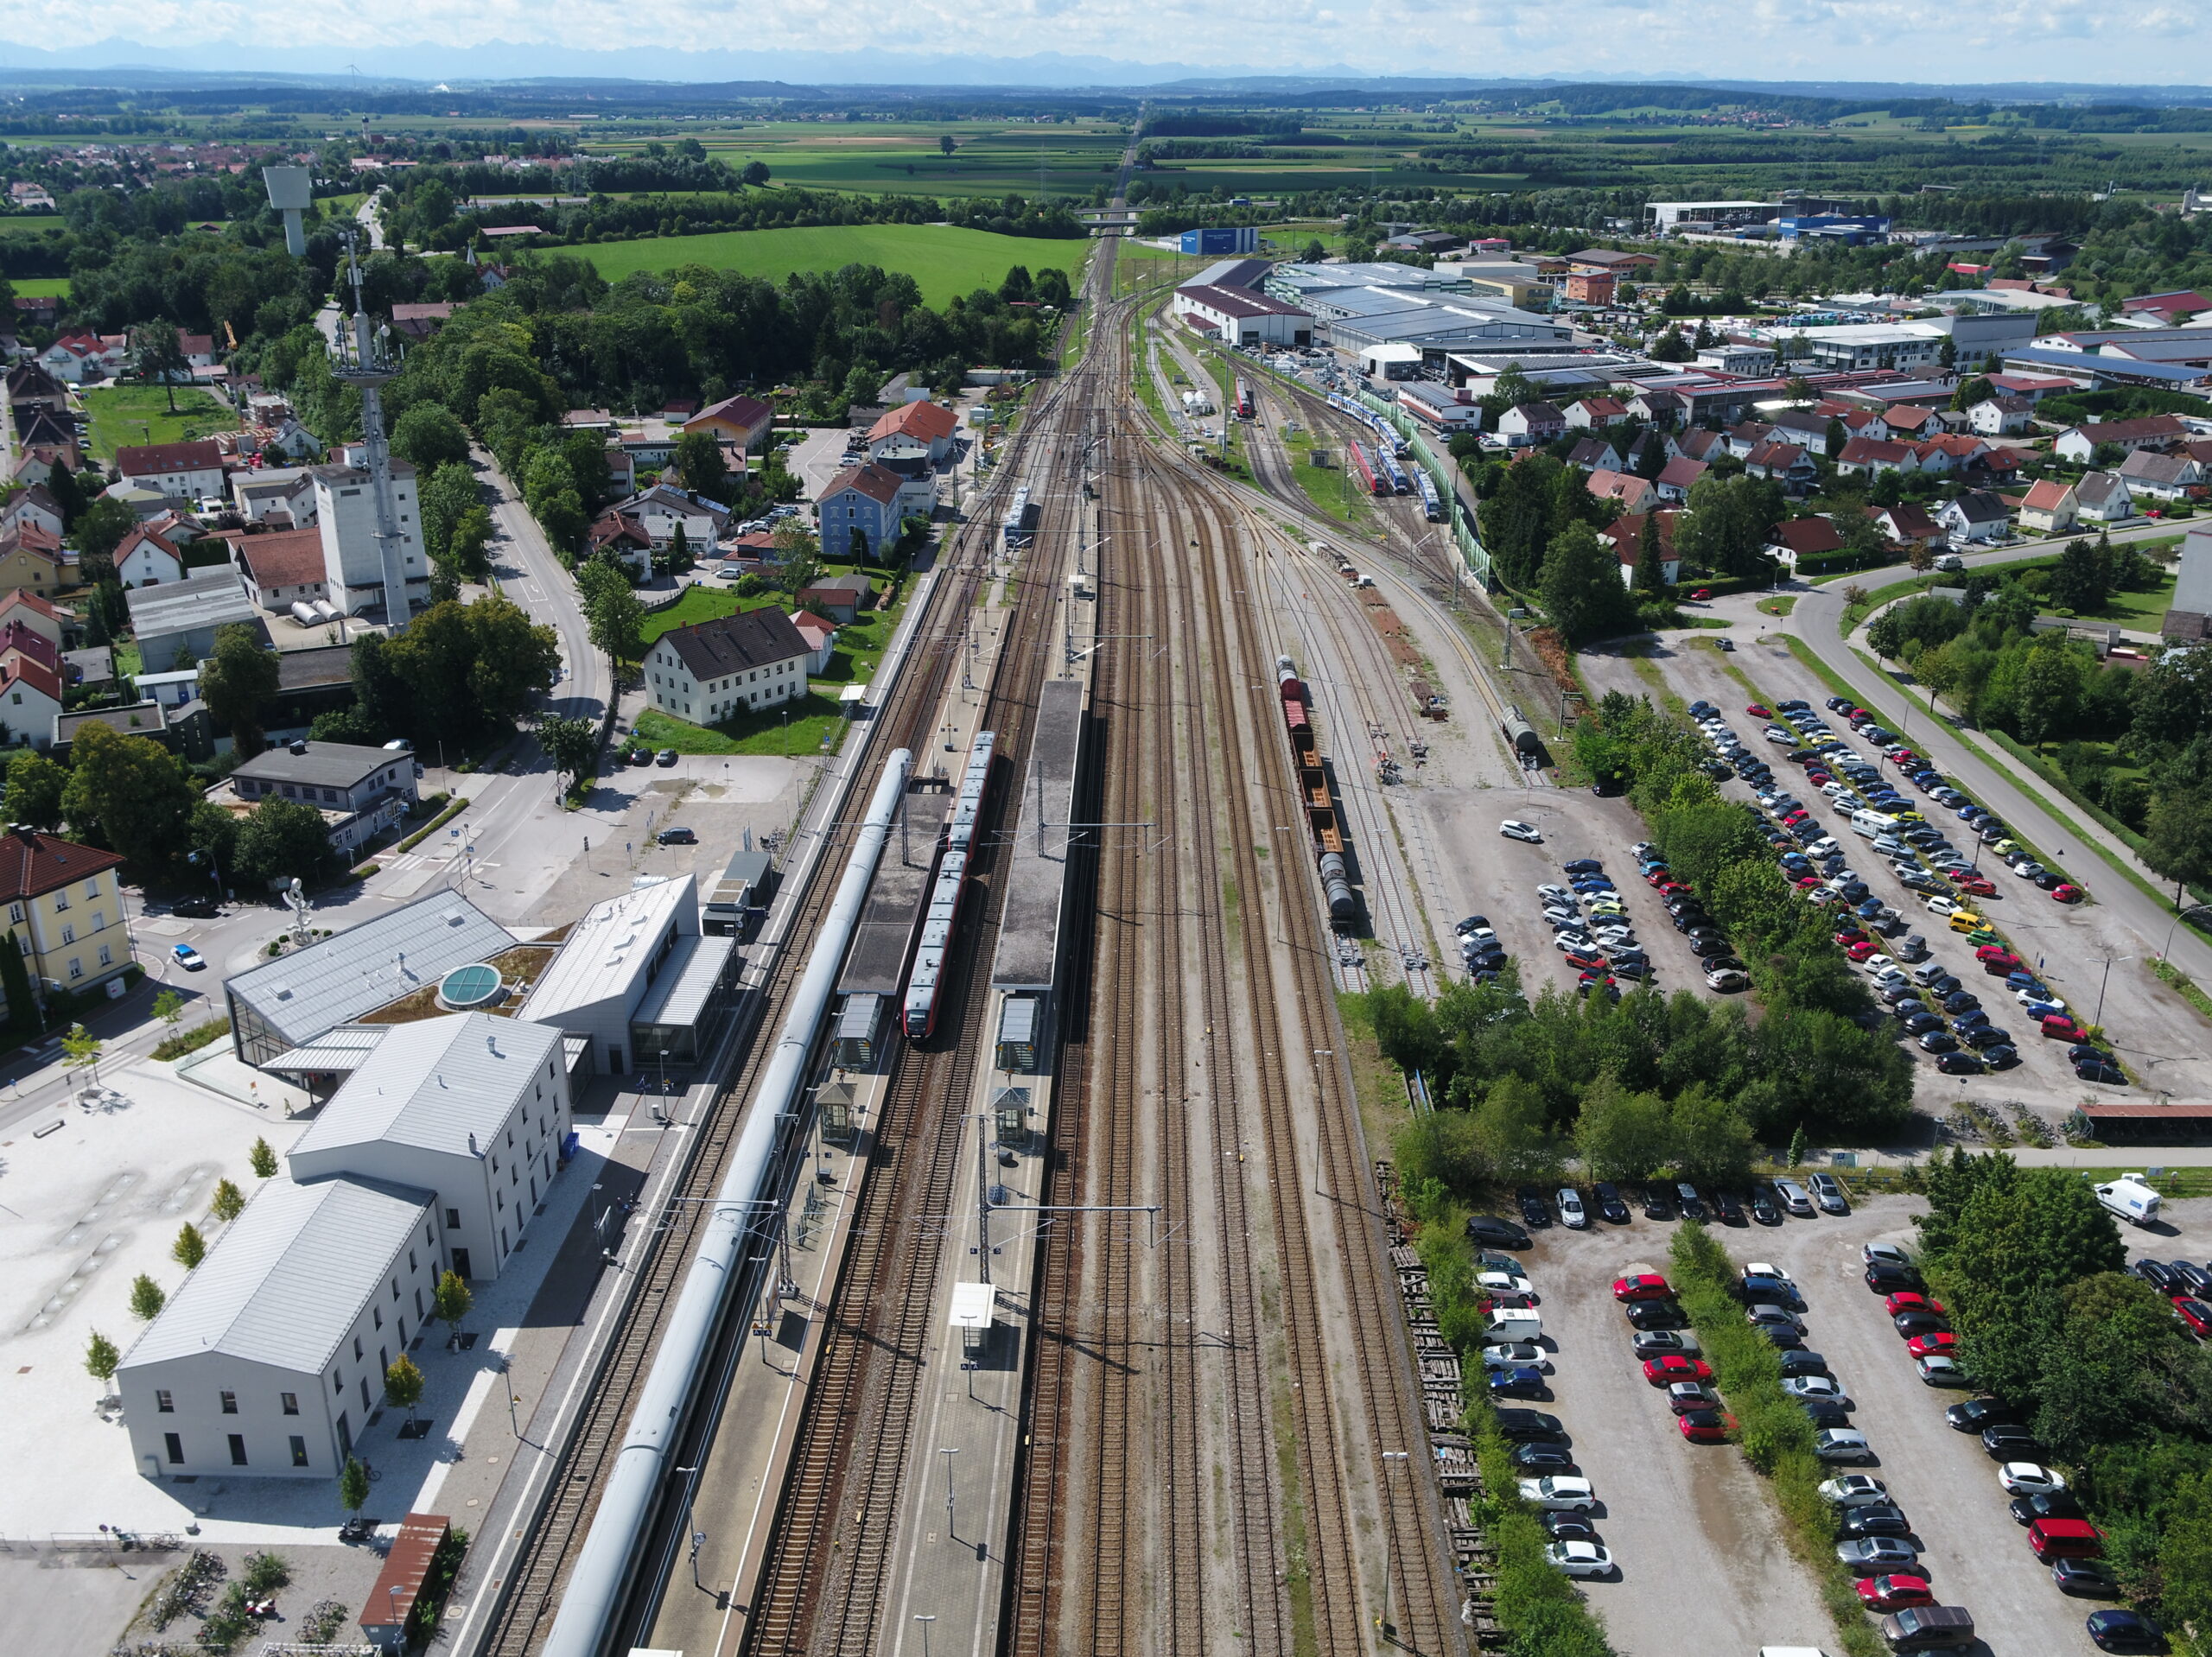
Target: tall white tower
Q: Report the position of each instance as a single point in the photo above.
(358, 357)
(290, 190)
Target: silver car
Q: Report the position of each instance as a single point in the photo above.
(1828, 1194)
(1571, 1214)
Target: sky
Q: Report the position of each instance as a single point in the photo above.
(1129, 42)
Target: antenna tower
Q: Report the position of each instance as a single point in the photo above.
(359, 356)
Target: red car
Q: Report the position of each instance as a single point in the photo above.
(1995, 952)
(1818, 779)
(2195, 1314)
(2060, 1028)
(1658, 880)
(1903, 757)
(2067, 894)
(1850, 935)
(1645, 1286)
(1860, 950)
(1895, 1593)
(1670, 886)
(1759, 710)
(1706, 1426)
(1807, 882)
(1908, 1301)
(1582, 963)
(1940, 1344)
(2003, 962)
(1664, 1372)
(1702, 594)
(1975, 884)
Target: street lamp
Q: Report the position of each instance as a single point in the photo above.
(925, 1619)
(1389, 1543)
(2194, 912)
(2099, 1019)
(948, 1453)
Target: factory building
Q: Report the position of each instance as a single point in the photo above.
(1213, 242)
(1242, 316)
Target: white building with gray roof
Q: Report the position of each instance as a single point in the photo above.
(637, 981)
(270, 1358)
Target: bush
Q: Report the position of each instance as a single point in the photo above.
(192, 1040)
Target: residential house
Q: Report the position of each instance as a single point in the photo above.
(65, 908)
(419, 321)
(930, 425)
(1626, 533)
(283, 495)
(624, 537)
(1442, 408)
(1664, 410)
(2105, 496)
(40, 615)
(1634, 494)
(181, 619)
(17, 638)
(1909, 422)
(741, 420)
(290, 441)
(1908, 526)
(735, 664)
(30, 696)
(1976, 516)
(1595, 454)
(1528, 424)
(1595, 414)
(1787, 464)
(280, 569)
(80, 359)
(1651, 450)
(2080, 443)
(661, 510)
(361, 791)
(2050, 507)
(821, 636)
(35, 505)
(1676, 479)
(1698, 444)
(864, 508)
(30, 560)
(2171, 310)
(621, 469)
(2166, 477)
(1871, 457)
(144, 558)
(2034, 387)
(841, 598)
(30, 386)
(2001, 417)
(178, 529)
(1796, 538)
(1865, 423)
(1807, 427)
(192, 470)
(1743, 438)
(1961, 452)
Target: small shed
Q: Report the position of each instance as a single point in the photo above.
(972, 1305)
(406, 1568)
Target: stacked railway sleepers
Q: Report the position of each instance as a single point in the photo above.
(1456, 1470)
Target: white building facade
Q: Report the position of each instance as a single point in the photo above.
(345, 516)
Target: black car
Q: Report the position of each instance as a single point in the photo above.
(2159, 1275)
(1887, 1277)
(1607, 1198)
(1583, 865)
(676, 837)
(2086, 1577)
(1686, 1198)
(1922, 1024)
(2194, 1279)
(1824, 1412)
(2003, 1057)
(1537, 1456)
(1960, 1001)
(2107, 1074)
(1960, 1064)
(2057, 1505)
(1535, 1213)
(1973, 1414)
(2125, 1631)
(1656, 1314)
(1763, 1207)
(2008, 1441)
(1876, 1519)
(1945, 1044)
(1569, 1527)
(1803, 1361)
(1472, 923)
(1919, 1321)
(1496, 1232)
(1983, 1037)
(1731, 1211)
(641, 756)
(1656, 1203)
(1528, 1424)
(197, 908)
(1781, 1336)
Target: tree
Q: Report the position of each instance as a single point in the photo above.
(34, 785)
(445, 495)
(699, 460)
(1623, 1135)
(1513, 1132)
(80, 1051)
(944, 143)
(451, 1300)
(1650, 559)
(466, 552)
(1921, 556)
(1797, 1148)
(101, 1358)
(190, 1247)
(146, 1299)
(131, 792)
(1947, 353)
(1834, 438)
(1729, 523)
(262, 1159)
(2078, 581)
(1975, 388)
(168, 1005)
(1713, 1140)
(429, 437)
(228, 1202)
(679, 558)
(237, 681)
(2177, 840)
(158, 354)
(1581, 586)
(23, 1012)
(612, 612)
(403, 1384)
(570, 744)
(352, 1486)
(1671, 347)
(281, 842)
(99, 530)
(755, 174)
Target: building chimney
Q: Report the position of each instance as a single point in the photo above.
(473, 1150)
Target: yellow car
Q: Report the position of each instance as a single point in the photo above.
(1964, 920)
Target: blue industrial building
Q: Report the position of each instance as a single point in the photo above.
(1234, 239)
(1852, 230)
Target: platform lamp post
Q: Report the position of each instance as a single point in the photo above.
(926, 1618)
(947, 1452)
(1390, 1544)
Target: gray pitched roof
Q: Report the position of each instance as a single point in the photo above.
(751, 638)
(435, 1084)
(324, 764)
(284, 1284)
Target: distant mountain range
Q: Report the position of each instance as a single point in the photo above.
(630, 72)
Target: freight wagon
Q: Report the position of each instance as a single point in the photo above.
(1314, 788)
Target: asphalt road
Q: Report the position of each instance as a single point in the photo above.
(533, 577)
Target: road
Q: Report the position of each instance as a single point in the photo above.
(533, 577)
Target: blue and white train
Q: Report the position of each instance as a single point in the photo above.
(926, 976)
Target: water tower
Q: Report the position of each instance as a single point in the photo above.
(290, 190)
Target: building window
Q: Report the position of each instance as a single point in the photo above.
(290, 1402)
(453, 1219)
(100, 919)
(337, 1384)
(356, 1349)
(16, 913)
(76, 968)
(174, 1445)
(376, 1314)
(163, 1404)
(61, 902)
(106, 958)
(299, 1450)
(238, 1450)
(229, 1403)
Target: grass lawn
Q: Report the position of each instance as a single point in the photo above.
(42, 287)
(944, 259)
(2140, 611)
(795, 728)
(124, 414)
(698, 603)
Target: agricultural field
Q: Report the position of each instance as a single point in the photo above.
(122, 415)
(874, 158)
(944, 259)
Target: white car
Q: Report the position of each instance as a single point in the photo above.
(2018, 1478)
(1502, 1282)
(1726, 980)
(1855, 1490)
(1514, 1355)
(1880, 1253)
(1878, 966)
(1767, 1268)
(1514, 831)
(1580, 1558)
(1571, 1211)
(1558, 1495)
(1940, 906)
(1823, 1389)
(1554, 891)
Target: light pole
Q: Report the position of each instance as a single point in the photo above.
(2194, 912)
(926, 1618)
(698, 1537)
(2099, 1018)
(948, 1453)
(1390, 1544)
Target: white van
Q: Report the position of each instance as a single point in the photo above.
(1515, 1324)
(2131, 1199)
(1871, 823)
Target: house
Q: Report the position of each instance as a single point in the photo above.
(1908, 420)
(1804, 538)
(1959, 450)
(864, 508)
(1743, 438)
(1664, 410)
(622, 537)
(1700, 444)
(663, 509)
(1595, 454)
(841, 598)
(742, 421)
(419, 321)
(1590, 287)
(283, 497)
(929, 424)
(77, 358)
(1596, 413)
(30, 386)
(1626, 533)
(280, 569)
(1440, 408)
(1908, 525)
(2050, 507)
(2034, 387)
(2080, 443)
(1976, 516)
(179, 530)
(144, 558)
(1864, 423)
(1634, 494)
(1870, 456)
(1610, 261)
(733, 664)
(2170, 309)
(17, 639)
(821, 636)
(30, 696)
(361, 791)
(35, 505)
(30, 560)
(181, 619)
(1787, 464)
(2001, 417)
(1677, 477)
(1529, 423)
(1651, 450)
(1805, 426)
(291, 441)
(40, 615)
(65, 907)
(192, 470)
(621, 469)
(471, 1106)
(2105, 496)
(2166, 477)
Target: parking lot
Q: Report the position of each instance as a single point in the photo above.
(1703, 1567)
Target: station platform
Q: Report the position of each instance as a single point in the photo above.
(885, 935)
(1029, 927)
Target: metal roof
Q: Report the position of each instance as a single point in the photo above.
(444, 1084)
(302, 994)
(344, 1049)
(325, 765)
(208, 600)
(607, 954)
(680, 994)
(285, 1283)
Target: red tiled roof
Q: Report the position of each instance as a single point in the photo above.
(1774, 456)
(1624, 486)
(877, 483)
(740, 410)
(1808, 538)
(2047, 495)
(1682, 473)
(30, 601)
(1626, 533)
(169, 457)
(925, 422)
(283, 558)
(31, 863)
(1868, 451)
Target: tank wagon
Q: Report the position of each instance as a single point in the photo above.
(1314, 788)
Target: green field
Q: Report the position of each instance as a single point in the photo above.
(123, 415)
(873, 157)
(40, 286)
(945, 260)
